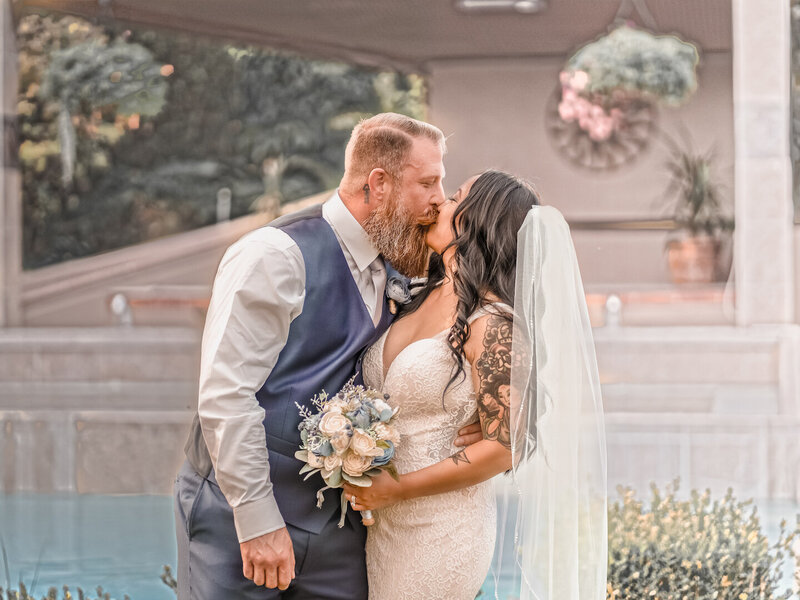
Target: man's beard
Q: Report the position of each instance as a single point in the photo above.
(400, 237)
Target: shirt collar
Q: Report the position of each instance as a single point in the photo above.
(350, 232)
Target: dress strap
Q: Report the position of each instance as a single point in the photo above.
(493, 308)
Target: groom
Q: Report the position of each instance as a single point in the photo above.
(293, 306)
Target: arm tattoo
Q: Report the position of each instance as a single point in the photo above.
(461, 457)
(494, 374)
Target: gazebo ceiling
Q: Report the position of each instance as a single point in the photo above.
(406, 33)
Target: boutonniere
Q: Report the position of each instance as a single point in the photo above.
(401, 291)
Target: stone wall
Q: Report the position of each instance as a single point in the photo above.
(106, 410)
(102, 410)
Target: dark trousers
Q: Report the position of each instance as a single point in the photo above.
(329, 565)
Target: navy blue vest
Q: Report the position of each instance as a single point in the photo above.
(321, 352)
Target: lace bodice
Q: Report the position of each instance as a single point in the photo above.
(439, 546)
(415, 381)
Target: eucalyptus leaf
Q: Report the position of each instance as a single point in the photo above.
(306, 468)
(334, 479)
(310, 473)
(362, 481)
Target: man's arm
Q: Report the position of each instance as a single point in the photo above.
(259, 289)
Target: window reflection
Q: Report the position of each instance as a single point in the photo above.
(129, 134)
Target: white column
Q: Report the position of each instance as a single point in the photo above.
(763, 191)
(10, 200)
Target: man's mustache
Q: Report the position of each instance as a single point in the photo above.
(429, 218)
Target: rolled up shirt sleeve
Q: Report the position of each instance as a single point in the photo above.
(258, 291)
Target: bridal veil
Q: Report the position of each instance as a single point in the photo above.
(554, 500)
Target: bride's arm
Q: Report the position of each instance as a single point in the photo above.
(489, 351)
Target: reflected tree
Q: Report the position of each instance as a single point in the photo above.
(129, 134)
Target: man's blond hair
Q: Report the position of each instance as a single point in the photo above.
(383, 141)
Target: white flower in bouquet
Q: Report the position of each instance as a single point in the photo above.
(364, 445)
(337, 406)
(332, 462)
(341, 441)
(315, 461)
(381, 405)
(354, 464)
(386, 433)
(333, 423)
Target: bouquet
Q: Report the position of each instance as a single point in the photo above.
(349, 439)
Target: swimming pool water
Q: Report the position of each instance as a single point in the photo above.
(122, 542)
(118, 542)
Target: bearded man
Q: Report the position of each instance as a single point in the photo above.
(293, 306)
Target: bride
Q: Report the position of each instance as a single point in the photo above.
(449, 358)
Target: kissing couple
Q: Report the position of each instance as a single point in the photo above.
(490, 361)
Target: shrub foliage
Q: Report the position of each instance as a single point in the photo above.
(694, 549)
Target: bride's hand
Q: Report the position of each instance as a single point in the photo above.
(384, 491)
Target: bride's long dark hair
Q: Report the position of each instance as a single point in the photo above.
(485, 227)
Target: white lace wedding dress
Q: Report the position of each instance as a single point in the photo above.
(435, 547)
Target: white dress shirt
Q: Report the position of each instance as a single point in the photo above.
(258, 291)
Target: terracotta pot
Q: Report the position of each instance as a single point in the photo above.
(693, 260)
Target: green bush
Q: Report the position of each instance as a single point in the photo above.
(693, 549)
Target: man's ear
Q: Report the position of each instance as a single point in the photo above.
(380, 185)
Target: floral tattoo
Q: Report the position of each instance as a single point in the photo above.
(494, 374)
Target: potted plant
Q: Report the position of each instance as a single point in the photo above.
(702, 223)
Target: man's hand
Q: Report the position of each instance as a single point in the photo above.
(469, 435)
(268, 560)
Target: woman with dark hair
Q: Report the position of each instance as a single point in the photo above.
(454, 338)
(447, 360)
